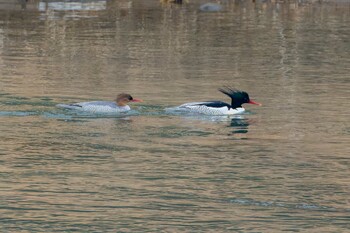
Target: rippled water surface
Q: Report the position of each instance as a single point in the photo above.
(280, 167)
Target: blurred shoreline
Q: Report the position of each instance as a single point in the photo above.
(93, 5)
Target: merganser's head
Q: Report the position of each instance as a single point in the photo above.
(123, 99)
(237, 97)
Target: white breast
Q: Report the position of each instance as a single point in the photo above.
(236, 111)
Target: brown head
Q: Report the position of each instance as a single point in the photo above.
(123, 99)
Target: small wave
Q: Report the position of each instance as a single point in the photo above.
(56, 115)
(306, 206)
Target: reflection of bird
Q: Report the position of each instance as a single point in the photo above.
(239, 125)
(210, 7)
(172, 1)
(218, 107)
(120, 105)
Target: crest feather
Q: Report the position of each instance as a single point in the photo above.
(231, 92)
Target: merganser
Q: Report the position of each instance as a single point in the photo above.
(120, 105)
(218, 107)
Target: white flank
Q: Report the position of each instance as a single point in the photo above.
(198, 107)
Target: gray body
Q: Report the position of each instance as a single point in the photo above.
(96, 107)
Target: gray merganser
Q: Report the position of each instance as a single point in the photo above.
(218, 107)
(120, 105)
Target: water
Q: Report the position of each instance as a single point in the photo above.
(280, 167)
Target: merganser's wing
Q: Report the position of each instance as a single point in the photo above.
(70, 106)
(213, 104)
(96, 107)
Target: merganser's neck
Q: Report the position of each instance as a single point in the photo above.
(121, 104)
(235, 104)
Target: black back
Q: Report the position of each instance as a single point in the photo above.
(216, 104)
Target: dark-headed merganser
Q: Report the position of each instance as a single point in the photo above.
(218, 107)
(120, 105)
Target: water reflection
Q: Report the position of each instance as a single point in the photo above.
(239, 125)
(83, 5)
(210, 7)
